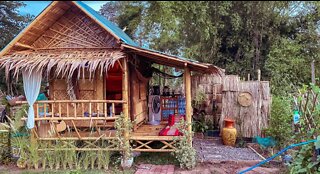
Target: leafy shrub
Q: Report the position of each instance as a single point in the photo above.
(185, 154)
(280, 125)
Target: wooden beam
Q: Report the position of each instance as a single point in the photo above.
(82, 118)
(15, 40)
(187, 87)
(25, 46)
(168, 57)
(153, 150)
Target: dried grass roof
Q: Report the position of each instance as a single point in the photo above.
(62, 62)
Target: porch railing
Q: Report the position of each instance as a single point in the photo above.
(76, 109)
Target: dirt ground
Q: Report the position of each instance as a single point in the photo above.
(222, 167)
(232, 167)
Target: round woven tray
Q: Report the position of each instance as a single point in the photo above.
(245, 99)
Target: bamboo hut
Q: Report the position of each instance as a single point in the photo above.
(95, 72)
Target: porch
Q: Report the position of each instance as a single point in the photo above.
(92, 121)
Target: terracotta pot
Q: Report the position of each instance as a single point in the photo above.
(229, 133)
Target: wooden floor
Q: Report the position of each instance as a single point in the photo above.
(149, 130)
(143, 132)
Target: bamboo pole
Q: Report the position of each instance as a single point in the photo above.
(125, 97)
(37, 110)
(105, 110)
(113, 110)
(74, 101)
(72, 118)
(313, 76)
(187, 76)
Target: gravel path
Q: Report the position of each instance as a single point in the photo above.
(213, 150)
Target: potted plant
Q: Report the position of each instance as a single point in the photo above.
(213, 130)
(199, 128)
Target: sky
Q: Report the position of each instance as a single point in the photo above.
(35, 7)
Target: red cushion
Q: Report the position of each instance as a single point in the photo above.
(171, 120)
(170, 129)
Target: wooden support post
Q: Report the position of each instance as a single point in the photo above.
(125, 97)
(187, 87)
(259, 75)
(313, 76)
(125, 91)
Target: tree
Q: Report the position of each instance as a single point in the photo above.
(11, 24)
(239, 36)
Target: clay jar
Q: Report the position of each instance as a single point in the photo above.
(229, 133)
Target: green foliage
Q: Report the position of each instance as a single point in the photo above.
(303, 161)
(200, 125)
(11, 23)
(198, 99)
(278, 37)
(288, 65)
(124, 129)
(184, 153)
(280, 124)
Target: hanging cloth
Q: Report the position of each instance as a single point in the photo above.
(31, 87)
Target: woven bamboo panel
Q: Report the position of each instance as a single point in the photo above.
(252, 117)
(74, 30)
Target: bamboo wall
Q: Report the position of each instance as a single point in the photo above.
(138, 97)
(224, 91)
(89, 89)
(249, 120)
(211, 85)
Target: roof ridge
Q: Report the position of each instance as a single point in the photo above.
(106, 24)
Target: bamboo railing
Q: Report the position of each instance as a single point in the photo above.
(75, 109)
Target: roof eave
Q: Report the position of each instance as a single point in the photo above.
(26, 29)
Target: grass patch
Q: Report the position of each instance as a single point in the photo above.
(156, 158)
(110, 171)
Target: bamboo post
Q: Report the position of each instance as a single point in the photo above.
(125, 97)
(90, 109)
(67, 109)
(105, 110)
(37, 110)
(187, 77)
(98, 110)
(313, 76)
(45, 110)
(113, 110)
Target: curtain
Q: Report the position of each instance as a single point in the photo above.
(31, 86)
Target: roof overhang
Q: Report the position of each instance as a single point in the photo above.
(173, 61)
(63, 62)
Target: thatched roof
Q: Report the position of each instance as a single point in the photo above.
(63, 62)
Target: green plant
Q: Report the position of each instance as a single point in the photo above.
(305, 161)
(124, 129)
(280, 121)
(198, 126)
(185, 153)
